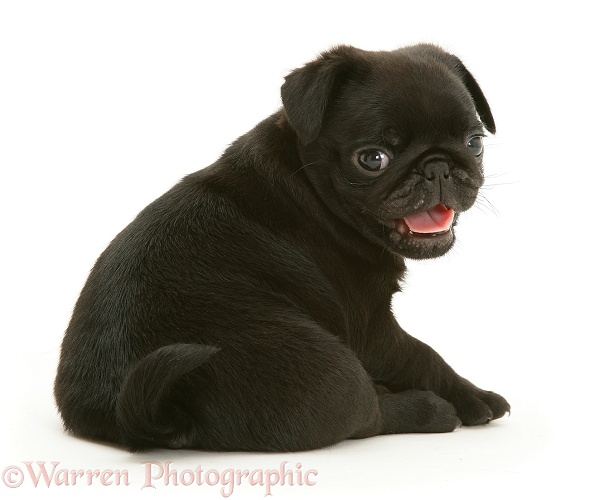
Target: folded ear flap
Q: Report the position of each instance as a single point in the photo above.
(456, 65)
(307, 91)
(481, 104)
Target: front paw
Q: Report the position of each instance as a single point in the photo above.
(475, 406)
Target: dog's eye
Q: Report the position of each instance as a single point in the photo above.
(373, 160)
(476, 145)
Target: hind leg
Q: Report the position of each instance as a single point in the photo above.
(416, 411)
(301, 392)
(412, 411)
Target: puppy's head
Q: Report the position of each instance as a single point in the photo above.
(391, 141)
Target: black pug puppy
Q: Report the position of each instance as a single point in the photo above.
(249, 307)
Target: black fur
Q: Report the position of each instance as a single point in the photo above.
(248, 308)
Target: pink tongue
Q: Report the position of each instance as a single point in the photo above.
(434, 220)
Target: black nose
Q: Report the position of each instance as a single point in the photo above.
(436, 170)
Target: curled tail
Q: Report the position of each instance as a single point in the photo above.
(145, 416)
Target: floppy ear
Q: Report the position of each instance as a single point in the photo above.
(481, 104)
(459, 69)
(307, 91)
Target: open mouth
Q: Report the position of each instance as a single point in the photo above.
(435, 221)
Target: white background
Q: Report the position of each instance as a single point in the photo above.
(105, 105)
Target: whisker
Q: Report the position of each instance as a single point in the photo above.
(493, 185)
(487, 176)
(479, 206)
(481, 198)
(306, 165)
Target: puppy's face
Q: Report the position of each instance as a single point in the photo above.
(398, 150)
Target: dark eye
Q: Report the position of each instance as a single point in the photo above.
(373, 160)
(476, 145)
